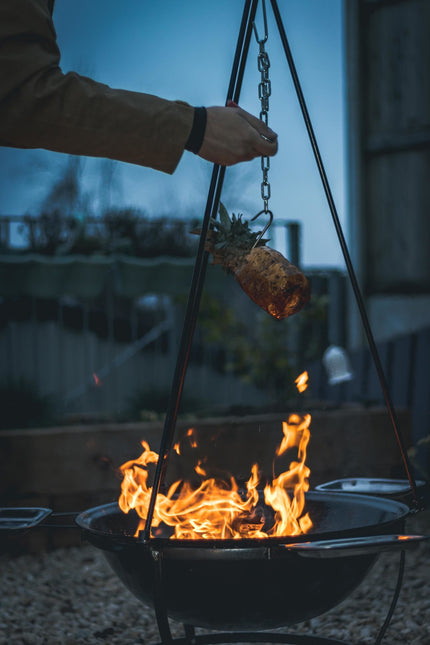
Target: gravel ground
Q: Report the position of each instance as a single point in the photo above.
(71, 597)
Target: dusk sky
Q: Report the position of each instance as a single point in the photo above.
(183, 49)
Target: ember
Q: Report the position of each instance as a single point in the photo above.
(96, 380)
(218, 508)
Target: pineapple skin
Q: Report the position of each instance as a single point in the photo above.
(266, 276)
(272, 282)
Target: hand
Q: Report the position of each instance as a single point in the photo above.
(233, 135)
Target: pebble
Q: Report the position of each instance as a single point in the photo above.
(72, 597)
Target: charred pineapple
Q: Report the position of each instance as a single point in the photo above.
(268, 278)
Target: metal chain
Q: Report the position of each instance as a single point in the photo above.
(264, 92)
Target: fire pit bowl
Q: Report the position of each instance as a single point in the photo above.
(252, 584)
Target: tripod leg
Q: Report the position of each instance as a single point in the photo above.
(159, 601)
(199, 273)
(394, 600)
(345, 251)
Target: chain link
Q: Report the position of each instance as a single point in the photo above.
(264, 92)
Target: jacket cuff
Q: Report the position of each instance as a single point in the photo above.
(198, 130)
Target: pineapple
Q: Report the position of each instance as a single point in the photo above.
(268, 278)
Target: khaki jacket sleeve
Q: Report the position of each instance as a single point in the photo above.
(40, 107)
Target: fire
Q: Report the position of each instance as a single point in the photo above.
(191, 436)
(302, 382)
(218, 508)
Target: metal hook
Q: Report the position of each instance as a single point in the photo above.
(270, 214)
(261, 41)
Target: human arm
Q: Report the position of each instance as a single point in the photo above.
(40, 107)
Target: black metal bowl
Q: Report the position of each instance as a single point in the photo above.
(245, 584)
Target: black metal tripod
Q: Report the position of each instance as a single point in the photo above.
(193, 304)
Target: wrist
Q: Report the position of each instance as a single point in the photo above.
(198, 129)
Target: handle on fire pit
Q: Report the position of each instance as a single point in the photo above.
(366, 545)
(397, 489)
(15, 519)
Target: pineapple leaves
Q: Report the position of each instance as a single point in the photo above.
(224, 217)
(233, 232)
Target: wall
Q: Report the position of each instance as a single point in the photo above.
(388, 84)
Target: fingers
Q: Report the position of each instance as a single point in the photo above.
(233, 135)
(265, 146)
(265, 133)
(258, 124)
(267, 143)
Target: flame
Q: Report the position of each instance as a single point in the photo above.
(218, 508)
(191, 435)
(302, 382)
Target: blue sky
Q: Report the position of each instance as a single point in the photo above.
(184, 50)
